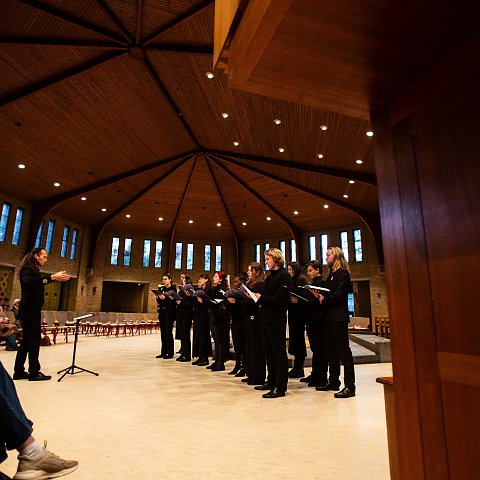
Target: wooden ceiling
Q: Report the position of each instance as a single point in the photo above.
(110, 98)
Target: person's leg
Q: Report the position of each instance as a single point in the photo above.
(279, 351)
(35, 336)
(186, 332)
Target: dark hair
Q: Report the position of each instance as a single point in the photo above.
(169, 275)
(29, 259)
(315, 264)
(243, 276)
(295, 266)
(223, 279)
(187, 278)
(206, 276)
(258, 268)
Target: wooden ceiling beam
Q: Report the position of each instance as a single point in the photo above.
(173, 48)
(58, 42)
(115, 20)
(55, 79)
(174, 225)
(138, 23)
(294, 230)
(227, 211)
(303, 166)
(371, 219)
(156, 79)
(99, 227)
(54, 12)
(177, 21)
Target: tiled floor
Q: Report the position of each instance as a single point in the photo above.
(144, 418)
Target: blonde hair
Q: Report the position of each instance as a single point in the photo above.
(338, 259)
(277, 256)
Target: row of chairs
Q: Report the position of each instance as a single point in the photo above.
(381, 326)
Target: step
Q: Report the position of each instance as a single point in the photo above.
(379, 345)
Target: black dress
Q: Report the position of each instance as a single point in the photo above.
(220, 324)
(184, 323)
(296, 321)
(166, 317)
(202, 340)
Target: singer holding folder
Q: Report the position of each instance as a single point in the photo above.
(33, 284)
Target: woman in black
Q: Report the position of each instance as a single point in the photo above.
(202, 340)
(184, 319)
(335, 304)
(255, 363)
(296, 321)
(166, 316)
(273, 322)
(33, 291)
(220, 321)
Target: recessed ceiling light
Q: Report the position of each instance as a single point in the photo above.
(369, 133)
(323, 127)
(295, 212)
(236, 144)
(345, 196)
(325, 206)
(219, 224)
(210, 75)
(320, 155)
(56, 184)
(21, 165)
(190, 221)
(359, 161)
(83, 198)
(160, 218)
(225, 115)
(244, 223)
(281, 150)
(127, 215)
(269, 218)
(104, 209)
(277, 121)
(351, 181)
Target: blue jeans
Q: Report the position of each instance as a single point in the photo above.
(15, 427)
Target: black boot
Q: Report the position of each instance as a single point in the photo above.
(236, 369)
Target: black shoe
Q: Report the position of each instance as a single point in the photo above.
(39, 377)
(166, 357)
(159, 356)
(347, 392)
(274, 393)
(180, 358)
(245, 380)
(253, 382)
(185, 359)
(328, 386)
(211, 365)
(241, 373)
(235, 370)
(202, 363)
(265, 386)
(296, 373)
(196, 362)
(218, 367)
(21, 376)
(315, 383)
(306, 379)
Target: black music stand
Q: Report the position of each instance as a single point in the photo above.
(72, 367)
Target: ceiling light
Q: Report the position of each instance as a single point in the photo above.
(345, 196)
(128, 216)
(325, 206)
(83, 198)
(359, 162)
(369, 133)
(225, 115)
(104, 209)
(269, 218)
(281, 150)
(56, 184)
(323, 127)
(351, 181)
(210, 75)
(320, 155)
(295, 212)
(277, 121)
(190, 221)
(21, 165)
(160, 218)
(236, 144)
(219, 224)
(244, 223)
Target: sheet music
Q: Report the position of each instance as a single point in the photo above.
(250, 293)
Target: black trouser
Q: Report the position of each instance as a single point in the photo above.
(238, 337)
(202, 321)
(318, 339)
(296, 335)
(256, 362)
(166, 332)
(184, 318)
(339, 350)
(29, 345)
(275, 347)
(220, 322)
